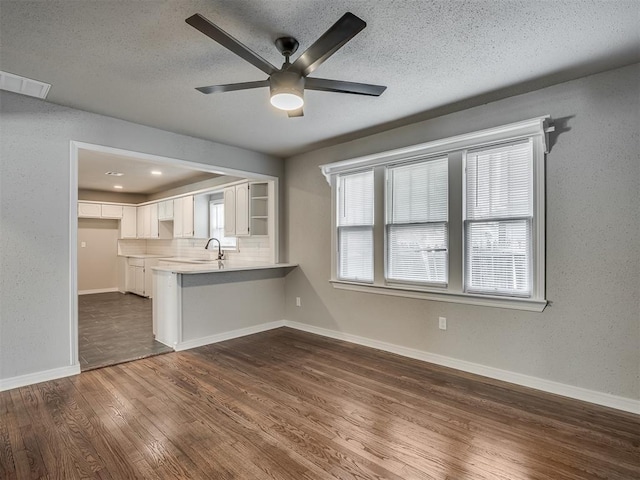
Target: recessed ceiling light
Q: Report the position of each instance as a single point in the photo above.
(156, 172)
(119, 187)
(114, 174)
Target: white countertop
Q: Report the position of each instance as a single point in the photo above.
(142, 255)
(214, 267)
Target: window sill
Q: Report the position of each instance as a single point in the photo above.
(467, 299)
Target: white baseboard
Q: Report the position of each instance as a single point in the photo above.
(592, 396)
(98, 290)
(37, 377)
(221, 337)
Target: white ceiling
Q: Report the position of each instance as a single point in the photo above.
(137, 176)
(140, 61)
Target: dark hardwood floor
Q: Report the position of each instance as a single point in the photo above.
(290, 405)
(115, 328)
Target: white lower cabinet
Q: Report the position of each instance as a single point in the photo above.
(139, 279)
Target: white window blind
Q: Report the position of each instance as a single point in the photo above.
(417, 216)
(355, 226)
(498, 220)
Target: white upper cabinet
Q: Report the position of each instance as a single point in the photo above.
(89, 210)
(97, 210)
(128, 226)
(153, 218)
(236, 210)
(242, 209)
(246, 209)
(127, 214)
(147, 221)
(111, 211)
(165, 210)
(183, 217)
(191, 217)
(229, 195)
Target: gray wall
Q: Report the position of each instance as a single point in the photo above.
(34, 215)
(209, 308)
(590, 336)
(98, 259)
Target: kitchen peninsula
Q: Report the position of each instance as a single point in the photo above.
(204, 302)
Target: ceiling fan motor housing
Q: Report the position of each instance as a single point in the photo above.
(286, 82)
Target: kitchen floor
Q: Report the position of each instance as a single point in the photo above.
(115, 328)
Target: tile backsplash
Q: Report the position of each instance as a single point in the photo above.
(250, 249)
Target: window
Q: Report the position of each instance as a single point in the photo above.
(417, 222)
(216, 224)
(458, 220)
(355, 227)
(499, 217)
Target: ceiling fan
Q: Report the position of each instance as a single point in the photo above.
(287, 84)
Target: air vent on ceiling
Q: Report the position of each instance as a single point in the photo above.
(114, 174)
(23, 85)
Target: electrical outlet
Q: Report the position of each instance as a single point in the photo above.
(298, 302)
(442, 323)
(83, 244)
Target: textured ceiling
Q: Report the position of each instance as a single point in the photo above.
(139, 60)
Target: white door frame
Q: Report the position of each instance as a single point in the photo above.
(75, 146)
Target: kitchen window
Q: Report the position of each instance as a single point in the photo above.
(216, 223)
(455, 220)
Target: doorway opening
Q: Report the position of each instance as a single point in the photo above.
(123, 227)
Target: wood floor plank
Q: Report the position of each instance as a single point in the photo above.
(290, 405)
(259, 410)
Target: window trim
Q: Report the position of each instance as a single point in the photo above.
(455, 148)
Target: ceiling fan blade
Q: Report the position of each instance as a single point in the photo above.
(340, 86)
(295, 113)
(214, 32)
(340, 33)
(230, 87)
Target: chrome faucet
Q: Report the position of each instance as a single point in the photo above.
(220, 254)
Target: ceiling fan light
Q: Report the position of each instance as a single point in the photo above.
(287, 101)
(287, 90)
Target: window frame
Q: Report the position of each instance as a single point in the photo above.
(455, 148)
